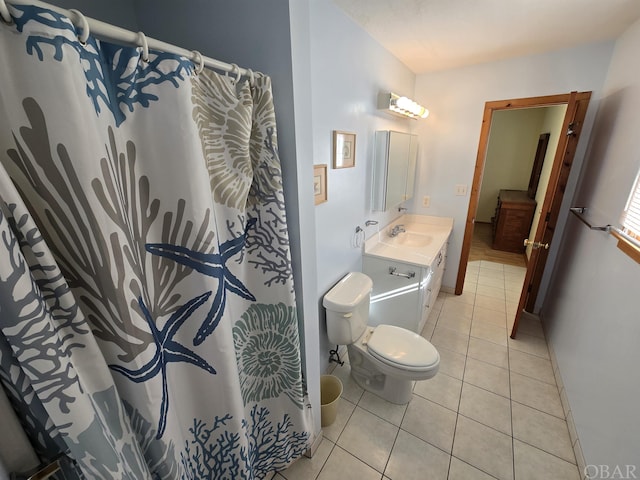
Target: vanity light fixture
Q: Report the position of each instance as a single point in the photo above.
(402, 106)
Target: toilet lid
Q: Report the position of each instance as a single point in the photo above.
(401, 347)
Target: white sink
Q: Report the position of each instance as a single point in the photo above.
(421, 241)
(409, 239)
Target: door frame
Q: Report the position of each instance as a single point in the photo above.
(490, 108)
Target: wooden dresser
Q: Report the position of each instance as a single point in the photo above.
(512, 220)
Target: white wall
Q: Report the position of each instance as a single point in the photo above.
(456, 99)
(510, 154)
(305, 242)
(349, 69)
(592, 316)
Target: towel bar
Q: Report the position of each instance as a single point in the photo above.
(630, 245)
(580, 212)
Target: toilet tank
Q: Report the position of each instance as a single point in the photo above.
(347, 305)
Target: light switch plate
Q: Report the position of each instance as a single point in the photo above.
(461, 190)
(426, 201)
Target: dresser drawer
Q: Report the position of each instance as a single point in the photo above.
(514, 214)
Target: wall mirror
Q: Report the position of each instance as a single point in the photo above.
(394, 169)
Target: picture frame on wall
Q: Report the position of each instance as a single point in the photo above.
(344, 149)
(320, 183)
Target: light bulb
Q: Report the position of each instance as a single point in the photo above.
(406, 106)
(403, 103)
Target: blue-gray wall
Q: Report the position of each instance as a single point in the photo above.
(116, 12)
(592, 310)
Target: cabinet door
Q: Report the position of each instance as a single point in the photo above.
(428, 297)
(411, 167)
(397, 297)
(393, 169)
(399, 147)
(438, 265)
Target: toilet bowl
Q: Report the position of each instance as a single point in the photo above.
(385, 360)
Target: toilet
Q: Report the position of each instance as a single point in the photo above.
(385, 360)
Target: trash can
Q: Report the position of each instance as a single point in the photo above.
(330, 392)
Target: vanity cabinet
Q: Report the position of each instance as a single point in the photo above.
(403, 293)
(394, 169)
(438, 270)
(512, 220)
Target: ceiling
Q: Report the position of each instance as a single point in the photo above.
(430, 35)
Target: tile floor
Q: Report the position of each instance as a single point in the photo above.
(492, 411)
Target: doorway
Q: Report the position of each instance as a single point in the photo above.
(550, 198)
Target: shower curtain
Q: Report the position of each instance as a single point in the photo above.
(148, 323)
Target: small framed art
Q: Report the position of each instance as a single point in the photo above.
(320, 183)
(344, 149)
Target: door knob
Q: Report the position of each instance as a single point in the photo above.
(533, 244)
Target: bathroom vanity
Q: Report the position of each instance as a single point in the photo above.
(406, 269)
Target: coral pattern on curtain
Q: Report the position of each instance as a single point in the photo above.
(148, 323)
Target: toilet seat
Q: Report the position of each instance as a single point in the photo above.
(403, 349)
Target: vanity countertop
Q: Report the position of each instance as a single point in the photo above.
(419, 244)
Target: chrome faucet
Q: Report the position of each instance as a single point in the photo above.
(396, 230)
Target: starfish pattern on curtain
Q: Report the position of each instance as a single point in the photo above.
(213, 265)
(168, 350)
(148, 327)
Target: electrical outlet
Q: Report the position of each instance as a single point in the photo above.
(461, 190)
(426, 201)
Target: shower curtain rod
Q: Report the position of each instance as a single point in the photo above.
(106, 31)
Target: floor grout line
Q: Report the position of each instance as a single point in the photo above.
(509, 348)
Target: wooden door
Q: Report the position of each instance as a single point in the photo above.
(572, 126)
(571, 129)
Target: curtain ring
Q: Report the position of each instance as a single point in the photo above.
(226, 74)
(145, 46)
(251, 77)
(4, 13)
(83, 25)
(200, 62)
(236, 68)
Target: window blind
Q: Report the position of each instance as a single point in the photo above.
(631, 215)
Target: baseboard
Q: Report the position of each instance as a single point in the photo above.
(566, 407)
(536, 317)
